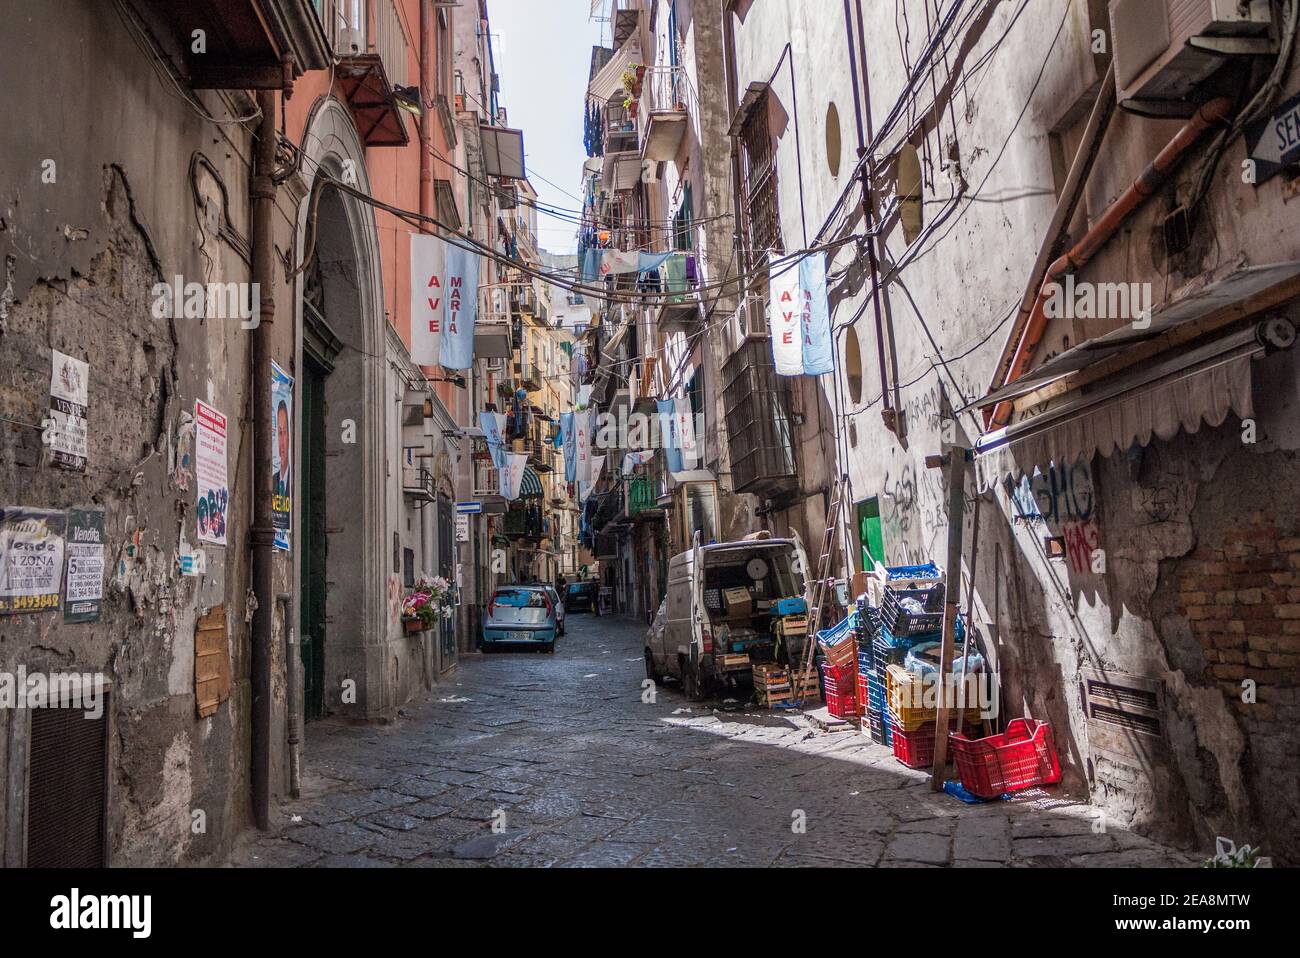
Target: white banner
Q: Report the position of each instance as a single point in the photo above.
(785, 316)
(512, 474)
(428, 299)
(582, 427)
(686, 432)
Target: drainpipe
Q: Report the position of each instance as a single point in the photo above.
(426, 160)
(262, 533)
(862, 116)
(293, 694)
(729, 75)
(1071, 194)
(1152, 178)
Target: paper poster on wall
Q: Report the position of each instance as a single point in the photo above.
(210, 473)
(69, 397)
(31, 559)
(83, 581)
(281, 455)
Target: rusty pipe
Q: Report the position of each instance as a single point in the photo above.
(1079, 255)
(262, 192)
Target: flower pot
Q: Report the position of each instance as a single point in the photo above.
(412, 624)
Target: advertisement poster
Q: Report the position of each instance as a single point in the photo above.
(210, 473)
(282, 455)
(83, 581)
(69, 397)
(31, 559)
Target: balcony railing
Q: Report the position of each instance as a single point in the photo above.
(487, 479)
(372, 50)
(669, 99)
(642, 495)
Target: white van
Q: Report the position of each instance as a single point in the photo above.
(716, 620)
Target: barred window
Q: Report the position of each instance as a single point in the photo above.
(761, 201)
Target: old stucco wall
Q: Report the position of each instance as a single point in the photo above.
(83, 250)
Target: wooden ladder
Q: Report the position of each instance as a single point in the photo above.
(831, 544)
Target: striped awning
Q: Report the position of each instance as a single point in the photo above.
(530, 486)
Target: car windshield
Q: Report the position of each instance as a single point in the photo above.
(520, 599)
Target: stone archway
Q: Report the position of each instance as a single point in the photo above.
(347, 312)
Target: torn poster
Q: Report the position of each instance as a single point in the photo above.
(69, 397)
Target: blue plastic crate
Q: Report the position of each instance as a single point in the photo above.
(927, 570)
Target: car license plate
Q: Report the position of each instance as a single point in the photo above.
(520, 636)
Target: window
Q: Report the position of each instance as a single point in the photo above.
(909, 192)
(761, 199)
(758, 422)
(853, 363)
(834, 144)
(683, 232)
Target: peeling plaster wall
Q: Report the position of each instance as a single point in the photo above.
(83, 254)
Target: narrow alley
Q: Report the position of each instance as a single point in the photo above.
(562, 750)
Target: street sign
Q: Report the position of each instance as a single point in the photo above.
(462, 528)
(472, 508)
(1274, 142)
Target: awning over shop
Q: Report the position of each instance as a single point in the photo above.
(530, 486)
(1192, 365)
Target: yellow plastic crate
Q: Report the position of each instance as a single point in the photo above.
(902, 688)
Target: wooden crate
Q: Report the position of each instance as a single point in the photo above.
(805, 686)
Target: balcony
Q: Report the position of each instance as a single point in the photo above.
(620, 128)
(543, 458)
(494, 331)
(372, 52)
(643, 497)
(759, 428)
(669, 100)
(530, 375)
(250, 45)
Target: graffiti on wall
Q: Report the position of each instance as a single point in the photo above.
(1063, 501)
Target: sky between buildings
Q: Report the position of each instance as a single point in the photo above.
(543, 55)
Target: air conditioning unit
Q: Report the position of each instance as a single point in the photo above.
(497, 365)
(1165, 48)
(749, 321)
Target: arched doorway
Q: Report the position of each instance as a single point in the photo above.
(340, 554)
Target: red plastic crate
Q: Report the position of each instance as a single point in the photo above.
(842, 676)
(916, 749)
(1021, 757)
(841, 705)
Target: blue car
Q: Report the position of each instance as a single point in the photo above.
(521, 615)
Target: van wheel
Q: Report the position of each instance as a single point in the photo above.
(650, 672)
(691, 685)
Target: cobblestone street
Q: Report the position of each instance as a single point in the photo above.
(562, 749)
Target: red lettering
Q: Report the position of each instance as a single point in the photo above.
(433, 281)
(787, 337)
(786, 297)
(434, 303)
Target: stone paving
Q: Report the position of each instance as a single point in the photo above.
(529, 759)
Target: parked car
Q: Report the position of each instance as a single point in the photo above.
(583, 597)
(716, 618)
(521, 615)
(559, 608)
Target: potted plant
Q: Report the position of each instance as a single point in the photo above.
(429, 601)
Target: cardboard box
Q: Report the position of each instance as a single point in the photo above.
(739, 603)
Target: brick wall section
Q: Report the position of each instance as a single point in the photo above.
(1241, 598)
